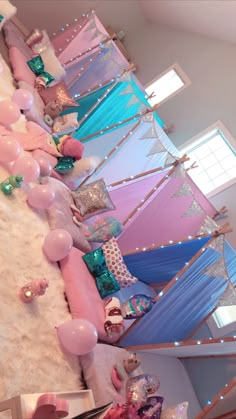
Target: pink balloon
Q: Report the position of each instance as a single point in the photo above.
(41, 196)
(78, 336)
(27, 167)
(57, 244)
(44, 164)
(9, 149)
(23, 98)
(9, 112)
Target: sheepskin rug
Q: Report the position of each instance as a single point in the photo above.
(31, 358)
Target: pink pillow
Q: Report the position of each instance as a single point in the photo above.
(21, 70)
(14, 38)
(60, 93)
(83, 296)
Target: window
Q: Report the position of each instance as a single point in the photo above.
(214, 153)
(172, 81)
(223, 321)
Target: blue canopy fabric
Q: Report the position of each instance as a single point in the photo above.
(162, 264)
(186, 303)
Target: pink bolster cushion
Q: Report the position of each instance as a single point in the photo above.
(82, 294)
(21, 70)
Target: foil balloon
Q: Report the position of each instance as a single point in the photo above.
(122, 412)
(152, 409)
(137, 306)
(176, 412)
(139, 388)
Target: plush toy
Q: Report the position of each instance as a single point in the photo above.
(53, 109)
(70, 147)
(114, 323)
(120, 371)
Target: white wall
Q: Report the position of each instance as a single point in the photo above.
(209, 375)
(210, 65)
(175, 384)
(54, 14)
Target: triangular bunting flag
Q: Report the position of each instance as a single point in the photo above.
(218, 244)
(142, 108)
(169, 160)
(178, 172)
(229, 296)
(91, 25)
(157, 148)
(150, 134)
(149, 117)
(126, 77)
(95, 35)
(194, 209)
(207, 227)
(127, 90)
(217, 269)
(133, 101)
(184, 190)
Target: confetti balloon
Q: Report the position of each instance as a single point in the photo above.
(139, 388)
(137, 306)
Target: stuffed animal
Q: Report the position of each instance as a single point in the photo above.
(53, 109)
(120, 371)
(114, 323)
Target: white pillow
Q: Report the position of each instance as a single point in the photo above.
(51, 63)
(82, 168)
(7, 10)
(65, 124)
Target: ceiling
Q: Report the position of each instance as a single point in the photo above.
(213, 18)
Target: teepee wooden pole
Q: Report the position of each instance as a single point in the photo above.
(88, 51)
(137, 115)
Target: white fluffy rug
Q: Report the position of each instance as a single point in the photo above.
(31, 359)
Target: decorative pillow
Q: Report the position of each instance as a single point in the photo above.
(60, 215)
(152, 409)
(14, 38)
(21, 70)
(66, 124)
(97, 367)
(93, 199)
(177, 412)
(37, 66)
(7, 10)
(60, 93)
(82, 169)
(52, 64)
(137, 306)
(105, 281)
(116, 264)
(40, 42)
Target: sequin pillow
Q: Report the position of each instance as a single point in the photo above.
(176, 412)
(105, 280)
(58, 93)
(116, 264)
(93, 199)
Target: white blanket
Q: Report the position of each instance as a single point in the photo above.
(31, 359)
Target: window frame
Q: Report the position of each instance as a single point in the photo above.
(231, 140)
(182, 75)
(218, 332)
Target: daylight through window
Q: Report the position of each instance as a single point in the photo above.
(216, 160)
(165, 86)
